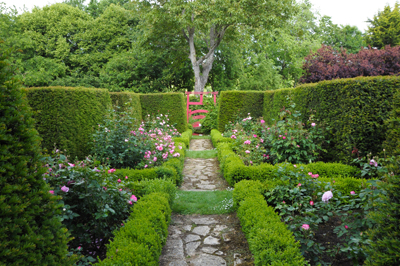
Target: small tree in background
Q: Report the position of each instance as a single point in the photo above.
(385, 28)
(328, 63)
(31, 232)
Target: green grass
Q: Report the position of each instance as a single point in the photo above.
(203, 202)
(207, 154)
(202, 137)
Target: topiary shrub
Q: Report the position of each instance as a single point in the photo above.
(122, 100)
(31, 232)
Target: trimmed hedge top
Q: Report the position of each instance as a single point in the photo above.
(125, 99)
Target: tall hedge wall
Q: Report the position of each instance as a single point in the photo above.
(121, 98)
(354, 109)
(172, 103)
(392, 143)
(233, 103)
(66, 116)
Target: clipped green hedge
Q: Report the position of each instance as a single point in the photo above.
(145, 187)
(233, 103)
(162, 103)
(185, 137)
(127, 99)
(66, 117)
(140, 240)
(270, 241)
(354, 109)
(216, 137)
(392, 142)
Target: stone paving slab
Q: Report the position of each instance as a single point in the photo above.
(198, 240)
(200, 145)
(202, 175)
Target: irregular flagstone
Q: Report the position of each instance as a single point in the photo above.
(200, 145)
(209, 250)
(191, 238)
(209, 260)
(201, 230)
(191, 248)
(204, 220)
(209, 240)
(173, 251)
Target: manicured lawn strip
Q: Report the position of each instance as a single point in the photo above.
(203, 202)
(270, 241)
(202, 137)
(207, 154)
(141, 239)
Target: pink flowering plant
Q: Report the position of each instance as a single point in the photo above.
(93, 203)
(306, 205)
(288, 140)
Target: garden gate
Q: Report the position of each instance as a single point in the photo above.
(190, 112)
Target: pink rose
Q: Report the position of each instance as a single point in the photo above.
(305, 226)
(130, 202)
(299, 185)
(346, 227)
(51, 192)
(126, 177)
(119, 180)
(133, 197)
(311, 203)
(65, 189)
(352, 192)
(262, 121)
(313, 124)
(327, 196)
(284, 137)
(155, 159)
(247, 151)
(112, 170)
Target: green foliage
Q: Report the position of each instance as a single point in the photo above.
(93, 202)
(31, 232)
(185, 138)
(114, 143)
(67, 117)
(385, 238)
(245, 189)
(234, 103)
(217, 137)
(385, 28)
(270, 242)
(354, 109)
(392, 142)
(140, 240)
(162, 103)
(125, 101)
(203, 202)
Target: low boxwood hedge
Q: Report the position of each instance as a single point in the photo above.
(140, 240)
(270, 241)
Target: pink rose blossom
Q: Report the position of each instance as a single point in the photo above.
(305, 226)
(120, 189)
(133, 197)
(51, 192)
(233, 137)
(79, 248)
(310, 173)
(299, 185)
(294, 166)
(327, 196)
(352, 192)
(119, 180)
(311, 202)
(112, 170)
(65, 189)
(155, 159)
(126, 177)
(346, 227)
(284, 137)
(105, 188)
(71, 164)
(145, 166)
(262, 121)
(247, 151)
(130, 202)
(313, 124)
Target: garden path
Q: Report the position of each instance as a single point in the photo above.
(204, 240)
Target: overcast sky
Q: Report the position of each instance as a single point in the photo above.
(342, 12)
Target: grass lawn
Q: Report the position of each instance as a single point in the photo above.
(203, 202)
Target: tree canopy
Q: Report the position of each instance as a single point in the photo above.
(385, 28)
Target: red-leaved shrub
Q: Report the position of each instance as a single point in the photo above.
(327, 63)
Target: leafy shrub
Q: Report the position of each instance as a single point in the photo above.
(94, 202)
(327, 64)
(244, 189)
(31, 232)
(114, 143)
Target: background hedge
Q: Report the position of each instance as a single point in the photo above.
(162, 103)
(354, 109)
(66, 117)
(233, 103)
(392, 142)
(127, 99)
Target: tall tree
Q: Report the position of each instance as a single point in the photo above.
(204, 24)
(385, 28)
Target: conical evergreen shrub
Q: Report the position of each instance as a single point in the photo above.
(31, 232)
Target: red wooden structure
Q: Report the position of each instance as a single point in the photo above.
(190, 112)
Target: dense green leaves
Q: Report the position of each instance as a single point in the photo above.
(385, 28)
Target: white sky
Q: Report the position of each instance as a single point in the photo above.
(342, 12)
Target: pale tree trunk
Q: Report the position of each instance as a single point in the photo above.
(201, 73)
